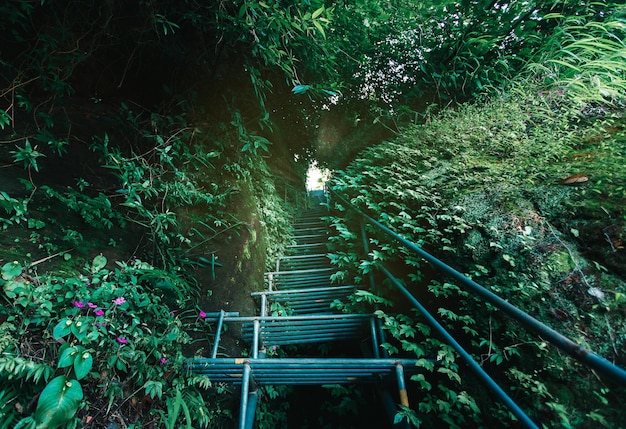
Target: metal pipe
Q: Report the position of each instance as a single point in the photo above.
(263, 305)
(253, 398)
(255, 340)
(318, 255)
(297, 318)
(474, 366)
(372, 280)
(309, 290)
(313, 271)
(404, 397)
(245, 385)
(573, 349)
(308, 337)
(326, 362)
(218, 332)
(374, 335)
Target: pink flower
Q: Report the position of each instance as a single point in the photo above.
(99, 313)
(100, 325)
(119, 300)
(163, 361)
(79, 304)
(91, 305)
(202, 314)
(121, 340)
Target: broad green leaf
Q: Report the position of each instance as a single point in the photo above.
(153, 388)
(67, 357)
(11, 270)
(63, 328)
(82, 364)
(99, 262)
(58, 403)
(79, 329)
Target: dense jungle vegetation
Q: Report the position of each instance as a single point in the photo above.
(152, 153)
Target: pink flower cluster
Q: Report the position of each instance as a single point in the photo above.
(100, 312)
(119, 300)
(91, 305)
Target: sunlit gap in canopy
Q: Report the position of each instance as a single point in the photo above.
(316, 177)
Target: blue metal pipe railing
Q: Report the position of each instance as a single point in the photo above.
(245, 388)
(573, 349)
(404, 397)
(218, 333)
(469, 360)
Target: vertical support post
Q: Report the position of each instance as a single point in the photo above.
(263, 305)
(270, 282)
(381, 334)
(245, 388)
(375, 343)
(253, 398)
(366, 249)
(404, 397)
(216, 342)
(255, 339)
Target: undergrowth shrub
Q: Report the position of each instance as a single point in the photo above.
(96, 342)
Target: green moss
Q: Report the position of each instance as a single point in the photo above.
(560, 263)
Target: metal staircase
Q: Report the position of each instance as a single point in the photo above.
(294, 310)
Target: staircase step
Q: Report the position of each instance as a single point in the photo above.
(311, 239)
(301, 371)
(308, 301)
(284, 330)
(299, 279)
(306, 249)
(302, 262)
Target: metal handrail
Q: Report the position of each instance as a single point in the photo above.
(573, 349)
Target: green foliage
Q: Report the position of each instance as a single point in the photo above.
(109, 322)
(252, 143)
(169, 177)
(97, 212)
(485, 188)
(5, 119)
(28, 155)
(58, 402)
(272, 410)
(13, 207)
(585, 57)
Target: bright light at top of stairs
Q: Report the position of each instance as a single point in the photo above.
(316, 177)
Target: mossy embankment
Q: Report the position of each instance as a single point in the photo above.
(529, 201)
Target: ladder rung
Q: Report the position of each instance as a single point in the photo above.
(312, 371)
